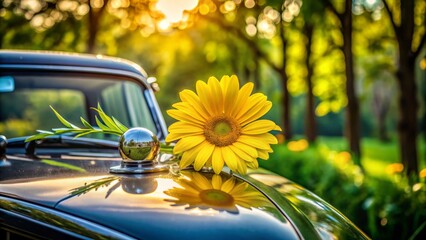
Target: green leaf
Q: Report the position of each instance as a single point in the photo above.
(118, 133)
(86, 133)
(107, 120)
(120, 125)
(62, 120)
(100, 124)
(38, 136)
(85, 123)
(43, 131)
(108, 125)
(66, 130)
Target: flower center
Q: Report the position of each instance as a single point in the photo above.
(216, 197)
(222, 130)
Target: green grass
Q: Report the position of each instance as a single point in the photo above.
(376, 155)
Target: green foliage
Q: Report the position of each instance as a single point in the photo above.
(396, 208)
(22, 112)
(15, 127)
(108, 125)
(384, 206)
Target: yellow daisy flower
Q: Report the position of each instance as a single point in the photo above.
(221, 193)
(219, 125)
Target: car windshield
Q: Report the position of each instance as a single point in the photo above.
(25, 98)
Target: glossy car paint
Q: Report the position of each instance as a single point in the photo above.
(137, 205)
(307, 208)
(40, 222)
(146, 206)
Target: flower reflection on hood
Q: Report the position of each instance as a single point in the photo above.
(218, 192)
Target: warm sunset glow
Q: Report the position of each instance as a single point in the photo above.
(174, 10)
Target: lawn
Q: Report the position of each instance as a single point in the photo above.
(376, 155)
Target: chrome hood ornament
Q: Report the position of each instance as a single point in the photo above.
(139, 149)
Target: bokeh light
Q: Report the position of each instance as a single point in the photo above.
(298, 146)
(174, 10)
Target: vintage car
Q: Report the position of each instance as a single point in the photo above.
(62, 188)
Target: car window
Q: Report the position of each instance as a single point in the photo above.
(25, 108)
(115, 98)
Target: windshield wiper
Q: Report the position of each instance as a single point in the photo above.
(61, 141)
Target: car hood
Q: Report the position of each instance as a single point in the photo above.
(175, 205)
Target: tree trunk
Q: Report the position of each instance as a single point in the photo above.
(310, 123)
(286, 95)
(95, 15)
(381, 102)
(407, 125)
(352, 127)
(93, 30)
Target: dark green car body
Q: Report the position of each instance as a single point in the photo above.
(61, 188)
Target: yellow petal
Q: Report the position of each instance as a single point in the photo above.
(184, 127)
(278, 128)
(216, 92)
(240, 153)
(188, 143)
(217, 160)
(258, 127)
(263, 154)
(242, 167)
(217, 181)
(228, 185)
(253, 141)
(175, 136)
(242, 99)
(224, 83)
(203, 155)
(253, 164)
(190, 186)
(269, 138)
(188, 109)
(192, 98)
(181, 116)
(238, 189)
(258, 111)
(205, 96)
(257, 99)
(187, 159)
(246, 148)
(231, 88)
(230, 158)
(201, 181)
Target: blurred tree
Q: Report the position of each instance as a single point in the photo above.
(10, 22)
(312, 12)
(310, 123)
(286, 104)
(96, 11)
(375, 51)
(352, 129)
(60, 20)
(408, 22)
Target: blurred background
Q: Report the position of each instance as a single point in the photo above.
(347, 80)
